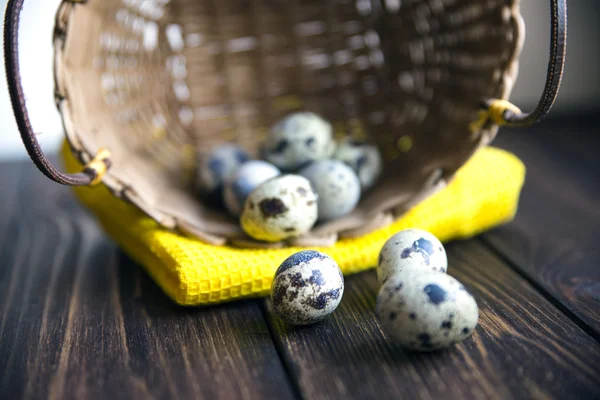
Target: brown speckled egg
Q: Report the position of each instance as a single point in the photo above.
(426, 311)
(280, 208)
(308, 286)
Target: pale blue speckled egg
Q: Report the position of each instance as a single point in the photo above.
(247, 178)
(411, 250)
(218, 166)
(281, 208)
(426, 311)
(298, 140)
(307, 287)
(336, 185)
(364, 158)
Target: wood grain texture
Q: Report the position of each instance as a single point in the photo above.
(554, 238)
(79, 320)
(523, 348)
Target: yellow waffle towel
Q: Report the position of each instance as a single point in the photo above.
(484, 193)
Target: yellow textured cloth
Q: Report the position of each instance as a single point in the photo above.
(484, 193)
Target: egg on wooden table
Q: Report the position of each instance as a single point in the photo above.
(247, 178)
(297, 140)
(218, 166)
(281, 208)
(307, 287)
(337, 186)
(411, 249)
(364, 158)
(426, 311)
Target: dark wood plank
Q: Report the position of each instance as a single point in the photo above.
(79, 320)
(523, 348)
(554, 238)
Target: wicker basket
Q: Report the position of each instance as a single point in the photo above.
(143, 86)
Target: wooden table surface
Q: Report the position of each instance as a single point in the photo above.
(78, 319)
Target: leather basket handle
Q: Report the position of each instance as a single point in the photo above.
(503, 112)
(94, 170)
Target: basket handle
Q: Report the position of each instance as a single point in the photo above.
(93, 171)
(503, 112)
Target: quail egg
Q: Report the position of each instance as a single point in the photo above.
(280, 208)
(411, 249)
(297, 140)
(216, 167)
(308, 286)
(337, 186)
(247, 178)
(363, 158)
(426, 310)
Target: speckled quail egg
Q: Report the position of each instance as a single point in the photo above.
(280, 208)
(216, 167)
(247, 178)
(426, 311)
(308, 286)
(364, 158)
(337, 186)
(297, 140)
(411, 249)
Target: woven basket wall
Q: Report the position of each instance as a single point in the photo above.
(157, 81)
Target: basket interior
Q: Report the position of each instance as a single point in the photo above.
(157, 81)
